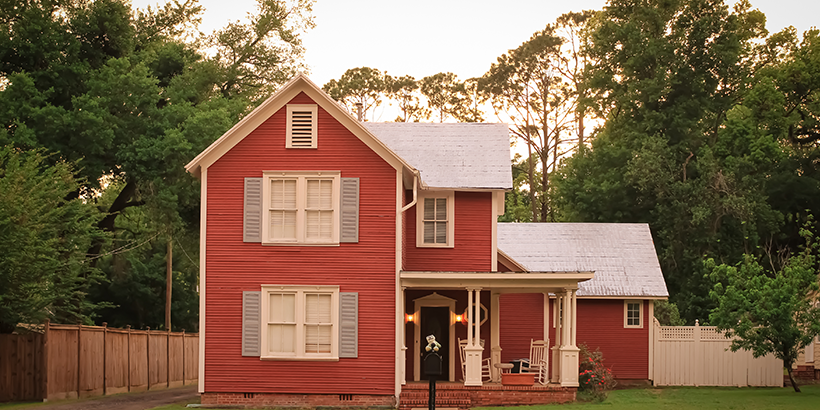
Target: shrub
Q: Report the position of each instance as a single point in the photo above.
(594, 379)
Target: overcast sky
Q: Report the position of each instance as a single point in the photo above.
(424, 37)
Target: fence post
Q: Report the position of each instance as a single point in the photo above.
(128, 349)
(168, 358)
(105, 333)
(45, 361)
(698, 355)
(79, 356)
(183, 357)
(148, 353)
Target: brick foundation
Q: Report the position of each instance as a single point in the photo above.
(456, 395)
(256, 400)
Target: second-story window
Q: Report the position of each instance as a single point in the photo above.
(301, 207)
(435, 227)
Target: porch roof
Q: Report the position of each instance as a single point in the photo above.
(519, 282)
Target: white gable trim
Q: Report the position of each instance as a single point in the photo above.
(509, 262)
(274, 103)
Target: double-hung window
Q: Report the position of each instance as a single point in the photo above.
(632, 314)
(300, 322)
(435, 224)
(301, 207)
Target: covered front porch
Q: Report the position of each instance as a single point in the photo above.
(466, 307)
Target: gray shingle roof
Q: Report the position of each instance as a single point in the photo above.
(621, 255)
(463, 155)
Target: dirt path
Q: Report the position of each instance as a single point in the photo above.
(128, 401)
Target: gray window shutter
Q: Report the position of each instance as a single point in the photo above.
(252, 222)
(348, 324)
(349, 210)
(251, 325)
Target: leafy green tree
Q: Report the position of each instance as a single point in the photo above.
(130, 98)
(769, 311)
(443, 95)
(676, 149)
(516, 201)
(667, 313)
(404, 90)
(254, 58)
(44, 272)
(363, 85)
(529, 86)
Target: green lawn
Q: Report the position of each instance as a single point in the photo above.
(703, 398)
(685, 398)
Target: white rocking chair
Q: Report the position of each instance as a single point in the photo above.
(485, 363)
(538, 360)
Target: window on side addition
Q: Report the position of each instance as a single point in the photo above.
(435, 227)
(633, 313)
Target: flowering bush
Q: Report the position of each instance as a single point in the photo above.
(594, 378)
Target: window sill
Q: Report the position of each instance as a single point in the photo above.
(432, 245)
(633, 327)
(300, 359)
(300, 243)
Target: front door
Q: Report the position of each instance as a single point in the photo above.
(436, 321)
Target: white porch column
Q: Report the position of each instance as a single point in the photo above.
(403, 336)
(495, 335)
(569, 352)
(473, 349)
(556, 350)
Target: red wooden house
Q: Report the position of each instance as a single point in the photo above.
(330, 247)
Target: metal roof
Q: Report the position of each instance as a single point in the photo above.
(621, 255)
(452, 155)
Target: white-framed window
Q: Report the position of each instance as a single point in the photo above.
(300, 207)
(435, 219)
(633, 313)
(300, 322)
(302, 126)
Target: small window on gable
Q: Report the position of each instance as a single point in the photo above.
(301, 132)
(632, 314)
(434, 220)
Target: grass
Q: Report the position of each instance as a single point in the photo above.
(685, 398)
(703, 398)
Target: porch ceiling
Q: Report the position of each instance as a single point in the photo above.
(518, 282)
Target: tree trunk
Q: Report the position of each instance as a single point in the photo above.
(124, 200)
(531, 180)
(791, 379)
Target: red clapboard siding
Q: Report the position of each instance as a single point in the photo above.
(601, 325)
(473, 238)
(521, 321)
(367, 267)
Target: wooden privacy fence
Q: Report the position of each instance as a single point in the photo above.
(699, 356)
(69, 361)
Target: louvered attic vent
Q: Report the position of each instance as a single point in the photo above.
(301, 126)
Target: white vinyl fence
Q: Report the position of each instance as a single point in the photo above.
(700, 356)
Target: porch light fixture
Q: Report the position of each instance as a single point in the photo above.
(408, 318)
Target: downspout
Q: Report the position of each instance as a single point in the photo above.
(415, 192)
